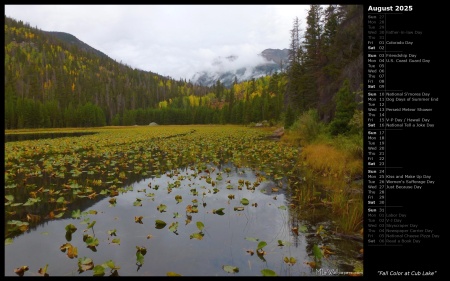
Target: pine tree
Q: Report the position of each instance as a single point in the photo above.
(294, 64)
(345, 109)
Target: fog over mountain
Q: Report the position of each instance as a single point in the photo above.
(243, 68)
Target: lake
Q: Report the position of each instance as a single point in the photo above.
(152, 207)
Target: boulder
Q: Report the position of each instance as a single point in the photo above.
(278, 133)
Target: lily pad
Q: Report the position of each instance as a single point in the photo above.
(230, 268)
(268, 272)
(244, 201)
(159, 224)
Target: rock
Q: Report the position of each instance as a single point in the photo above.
(278, 133)
(153, 124)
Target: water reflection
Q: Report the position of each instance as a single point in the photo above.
(228, 239)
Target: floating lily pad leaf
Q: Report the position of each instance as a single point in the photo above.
(99, 270)
(16, 204)
(268, 272)
(138, 219)
(176, 215)
(142, 250)
(317, 252)
(91, 241)
(292, 260)
(173, 226)
(215, 190)
(171, 273)
(139, 258)
(159, 224)
(116, 241)
(312, 264)
(260, 254)
(91, 225)
(191, 209)
(238, 208)
(282, 207)
(85, 221)
(179, 198)
(10, 186)
(230, 268)
(229, 186)
(280, 243)
(261, 245)
(161, 208)
(244, 201)
(112, 201)
(92, 212)
(43, 271)
(58, 215)
(252, 239)
(76, 214)
(219, 211)
(9, 241)
(9, 197)
(21, 270)
(111, 265)
(303, 229)
(72, 252)
(31, 201)
(70, 228)
(137, 203)
(219, 178)
(85, 264)
(200, 225)
(197, 235)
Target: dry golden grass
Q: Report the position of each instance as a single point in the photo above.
(337, 167)
(329, 160)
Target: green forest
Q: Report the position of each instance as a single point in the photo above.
(50, 82)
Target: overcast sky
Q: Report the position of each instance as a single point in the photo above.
(170, 40)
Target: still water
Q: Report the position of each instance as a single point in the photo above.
(197, 240)
(23, 137)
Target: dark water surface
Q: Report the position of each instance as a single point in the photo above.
(227, 240)
(36, 136)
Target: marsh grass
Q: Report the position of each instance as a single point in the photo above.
(334, 161)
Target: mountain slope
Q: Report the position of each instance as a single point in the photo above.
(72, 40)
(227, 69)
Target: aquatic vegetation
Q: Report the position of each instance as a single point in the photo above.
(186, 185)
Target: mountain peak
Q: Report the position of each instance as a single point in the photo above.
(225, 69)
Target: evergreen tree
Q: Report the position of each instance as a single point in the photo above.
(289, 117)
(294, 64)
(345, 109)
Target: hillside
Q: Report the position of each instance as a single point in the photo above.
(53, 79)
